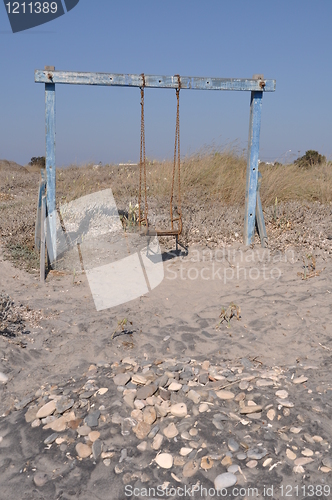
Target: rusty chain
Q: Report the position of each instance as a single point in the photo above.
(142, 164)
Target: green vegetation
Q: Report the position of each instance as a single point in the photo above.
(310, 159)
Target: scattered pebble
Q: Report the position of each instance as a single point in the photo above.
(225, 480)
(164, 460)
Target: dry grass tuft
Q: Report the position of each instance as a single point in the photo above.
(204, 175)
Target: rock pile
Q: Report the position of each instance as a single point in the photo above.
(221, 423)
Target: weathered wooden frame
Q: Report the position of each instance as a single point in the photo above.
(256, 85)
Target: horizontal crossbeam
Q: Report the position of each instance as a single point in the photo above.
(153, 81)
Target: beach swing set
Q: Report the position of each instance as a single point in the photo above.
(253, 208)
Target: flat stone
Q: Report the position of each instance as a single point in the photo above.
(240, 397)
(102, 391)
(203, 407)
(164, 393)
(97, 448)
(243, 385)
(193, 432)
(121, 378)
(3, 378)
(40, 479)
(241, 456)
(225, 480)
(225, 394)
(174, 386)
(86, 394)
(58, 425)
(23, 403)
(327, 461)
(205, 365)
(308, 438)
(252, 464)
(290, 454)
(141, 430)
(298, 469)
(227, 460)
(256, 453)
(142, 446)
(46, 410)
(303, 461)
(232, 445)
(267, 462)
(50, 439)
(83, 450)
(161, 410)
(190, 468)
(194, 396)
(285, 402)
(179, 410)
(63, 405)
(185, 451)
(282, 394)
(164, 460)
(35, 423)
(271, 414)
(233, 469)
(74, 424)
(218, 425)
(170, 431)
(157, 442)
(324, 468)
(84, 430)
(139, 404)
(207, 463)
(93, 436)
(149, 415)
(48, 420)
(92, 418)
(246, 410)
(295, 430)
(146, 391)
(139, 379)
(300, 380)
(155, 429)
(307, 452)
(31, 414)
(263, 382)
(203, 378)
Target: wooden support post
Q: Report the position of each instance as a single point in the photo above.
(41, 192)
(42, 239)
(259, 215)
(252, 166)
(50, 165)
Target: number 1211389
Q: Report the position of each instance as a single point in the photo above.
(32, 7)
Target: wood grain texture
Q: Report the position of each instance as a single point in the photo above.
(50, 165)
(260, 216)
(252, 167)
(154, 81)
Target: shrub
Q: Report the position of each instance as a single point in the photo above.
(38, 161)
(310, 158)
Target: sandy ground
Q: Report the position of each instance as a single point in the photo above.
(285, 323)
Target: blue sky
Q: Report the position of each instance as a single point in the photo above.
(289, 41)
